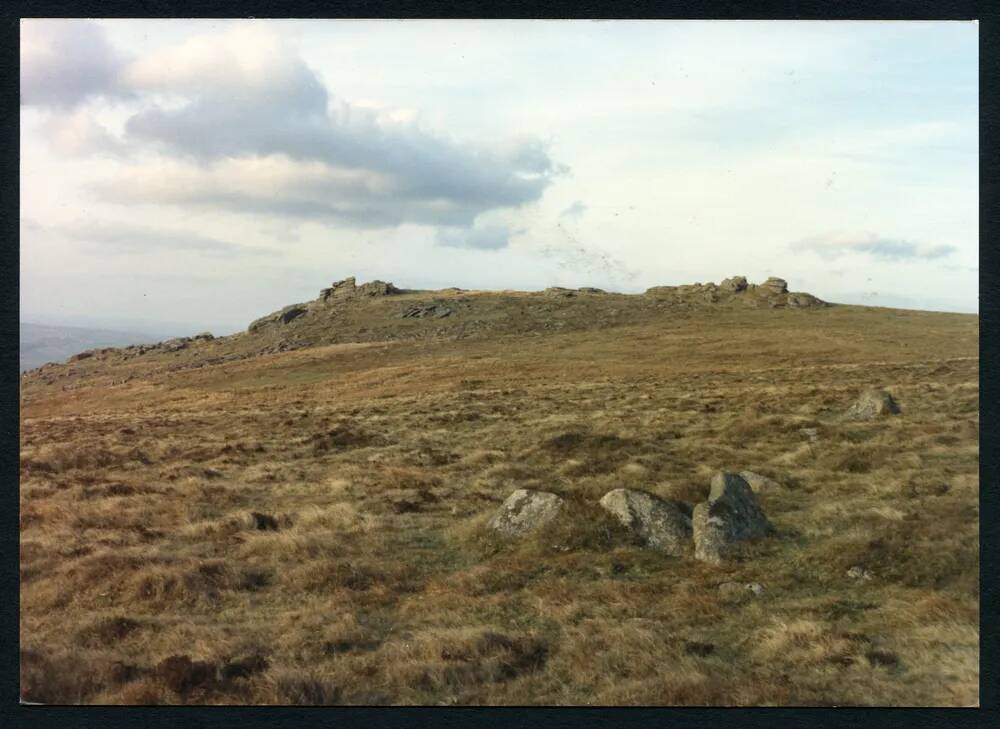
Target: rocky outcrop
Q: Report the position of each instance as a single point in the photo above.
(871, 405)
(775, 285)
(734, 285)
(730, 515)
(663, 525)
(284, 316)
(348, 289)
(559, 291)
(524, 511)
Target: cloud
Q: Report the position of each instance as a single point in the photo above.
(248, 100)
(281, 186)
(67, 62)
(575, 210)
(837, 244)
(489, 238)
(131, 239)
(80, 134)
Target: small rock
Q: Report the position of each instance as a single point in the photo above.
(859, 573)
(731, 515)
(524, 511)
(740, 589)
(662, 524)
(873, 404)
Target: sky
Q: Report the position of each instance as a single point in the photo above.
(197, 174)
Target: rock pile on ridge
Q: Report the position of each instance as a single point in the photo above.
(731, 515)
(348, 289)
(773, 293)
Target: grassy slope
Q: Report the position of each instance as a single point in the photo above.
(382, 460)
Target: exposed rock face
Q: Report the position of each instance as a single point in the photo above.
(421, 311)
(348, 289)
(289, 313)
(873, 404)
(524, 511)
(731, 515)
(662, 524)
(776, 285)
(734, 284)
(804, 301)
(759, 484)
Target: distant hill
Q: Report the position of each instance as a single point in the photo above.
(41, 343)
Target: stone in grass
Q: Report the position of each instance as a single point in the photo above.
(740, 589)
(873, 404)
(859, 573)
(730, 516)
(524, 511)
(662, 524)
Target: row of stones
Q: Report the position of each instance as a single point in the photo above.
(729, 516)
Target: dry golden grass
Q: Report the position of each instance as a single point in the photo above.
(308, 527)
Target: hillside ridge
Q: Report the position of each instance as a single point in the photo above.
(378, 310)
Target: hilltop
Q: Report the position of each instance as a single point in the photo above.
(378, 311)
(301, 513)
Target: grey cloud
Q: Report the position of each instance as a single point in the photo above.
(832, 246)
(488, 238)
(66, 62)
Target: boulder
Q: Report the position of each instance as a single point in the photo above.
(662, 524)
(873, 404)
(730, 516)
(734, 285)
(524, 511)
(775, 285)
(284, 316)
